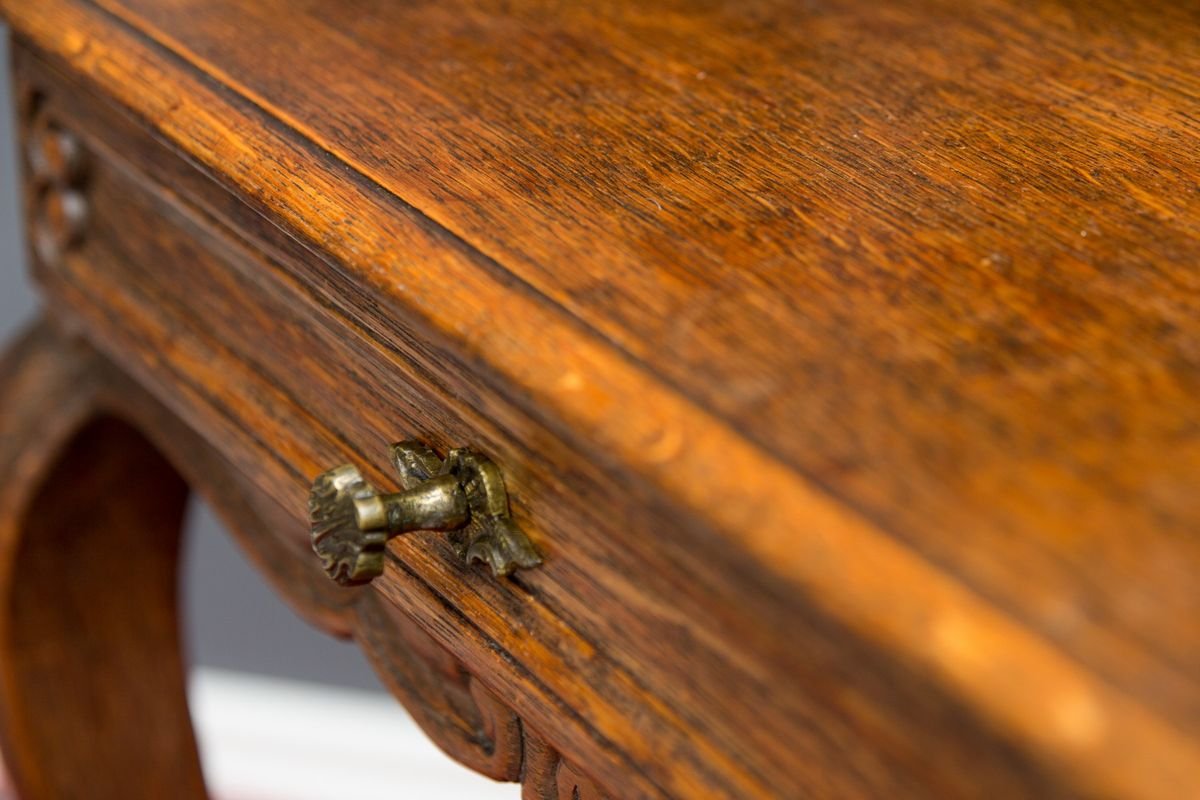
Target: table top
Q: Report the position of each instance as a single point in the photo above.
(938, 258)
(904, 298)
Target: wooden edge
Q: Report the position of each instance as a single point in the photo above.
(877, 587)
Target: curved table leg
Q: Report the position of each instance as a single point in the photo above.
(92, 686)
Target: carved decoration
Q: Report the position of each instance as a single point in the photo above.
(56, 164)
(460, 713)
(453, 708)
(547, 776)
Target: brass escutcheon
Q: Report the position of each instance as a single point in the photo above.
(464, 494)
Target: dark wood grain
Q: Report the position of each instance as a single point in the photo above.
(843, 358)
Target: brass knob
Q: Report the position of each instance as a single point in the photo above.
(464, 494)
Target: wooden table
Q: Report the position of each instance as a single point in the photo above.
(841, 361)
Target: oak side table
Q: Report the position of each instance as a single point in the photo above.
(675, 398)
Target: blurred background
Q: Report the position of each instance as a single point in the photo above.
(266, 686)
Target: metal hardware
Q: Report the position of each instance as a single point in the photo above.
(464, 494)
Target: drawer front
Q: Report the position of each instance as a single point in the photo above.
(631, 663)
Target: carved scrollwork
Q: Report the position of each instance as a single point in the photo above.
(548, 776)
(460, 714)
(56, 164)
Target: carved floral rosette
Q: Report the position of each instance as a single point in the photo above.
(56, 180)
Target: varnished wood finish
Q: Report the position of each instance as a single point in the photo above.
(843, 358)
(654, 646)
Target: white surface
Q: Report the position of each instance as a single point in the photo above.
(267, 739)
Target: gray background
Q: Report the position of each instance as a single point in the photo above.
(232, 620)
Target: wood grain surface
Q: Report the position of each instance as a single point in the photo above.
(92, 699)
(880, 324)
(624, 648)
